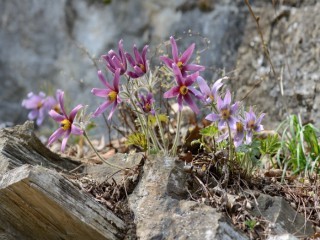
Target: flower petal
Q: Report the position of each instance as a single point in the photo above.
(74, 112)
(58, 133)
(33, 114)
(116, 80)
(193, 67)
(190, 79)
(249, 137)
(112, 110)
(137, 54)
(103, 80)
(167, 61)
(172, 92)
(260, 118)
(100, 92)
(64, 140)
(61, 102)
(132, 74)
(227, 98)
(232, 122)
(187, 53)
(213, 117)
(190, 102)
(130, 59)
(76, 130)
(178, 75)
(144, 54)
(102, 108)
(195, 92)
(234, 108)
(56, 116)
(174, 49)
(204, 88)
(138, 71)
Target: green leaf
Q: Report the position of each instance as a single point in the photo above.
(209, 131)
(137, 139)
(152, 120)
(270, 145)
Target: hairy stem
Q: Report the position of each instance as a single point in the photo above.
(96, 152)
(176, 139)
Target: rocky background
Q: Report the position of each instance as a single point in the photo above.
(44, 44)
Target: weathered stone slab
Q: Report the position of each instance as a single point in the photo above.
(19, 145)
(38, 203)
(100, 173)
(284, 218)
(158, 215)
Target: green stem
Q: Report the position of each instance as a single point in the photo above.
(176, 139)
(230, 144)
(165, 143)
(99, 156)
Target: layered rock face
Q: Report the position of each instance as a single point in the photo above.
(45, 46)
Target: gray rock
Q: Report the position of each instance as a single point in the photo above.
(19, 145)
(101, 173)
(37, 203)
(283, 218)
(291, 38)
(45, 47)
(158, 215)
(282, 237)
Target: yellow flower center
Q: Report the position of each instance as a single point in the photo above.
(225, 113)
(56, 108)
(180, 64)
(65, 124)
(239, 127)
(147, 107)
(211, 97)
(251, 124)
(143, 68)
(39, 105)
(183, 90)
(112, 96)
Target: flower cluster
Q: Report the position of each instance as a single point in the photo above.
(40, 105)
(138, 91)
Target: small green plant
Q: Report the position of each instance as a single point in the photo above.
(248, 155)
(299, 150)
(251, 223)
(137, 139)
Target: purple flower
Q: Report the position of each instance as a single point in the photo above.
(182, 61)
(39, 106)
(209, 95)
(184, 90)
(110, 93)
(226, 112)
(139, 64)
(115, 61)
(252, 124)
(239, 133)
(53, 103)
(146, 103)
(67, 126)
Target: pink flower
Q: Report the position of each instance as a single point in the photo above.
(139, 64)
(184, 90)
(146, 102)
(110, 93)
(181, 61)
(115, 61)
(67, 126)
